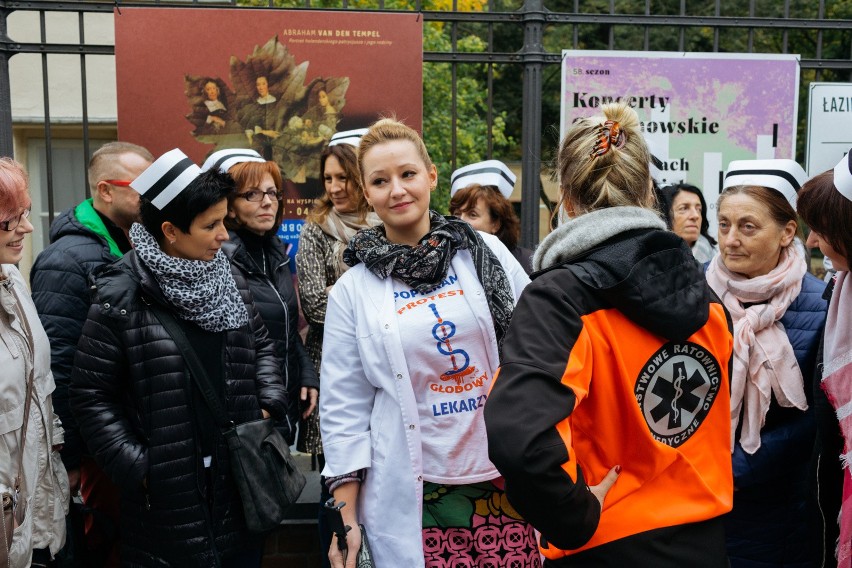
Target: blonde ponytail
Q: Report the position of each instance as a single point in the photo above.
(603, 162)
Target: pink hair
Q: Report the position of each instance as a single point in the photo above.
(14, 183)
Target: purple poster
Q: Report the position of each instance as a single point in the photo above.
(698, 111)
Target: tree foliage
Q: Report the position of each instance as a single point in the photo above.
(471, 97)
(810, 44)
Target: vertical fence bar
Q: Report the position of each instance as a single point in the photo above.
(717, 13)
(6, 139)
(751, 30)
(647, 31)
(820, 15)
(611, 26)
(785, 33)
(454, 100)
(576, 27)
(533, 58)
(490, 79)
(85, 98)
(48, 138)
(681, 36)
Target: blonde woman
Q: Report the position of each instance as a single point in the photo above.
(416, 326)
(617, 363)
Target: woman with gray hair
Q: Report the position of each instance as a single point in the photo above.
(778, 314)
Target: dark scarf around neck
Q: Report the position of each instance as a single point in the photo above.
(425, 265)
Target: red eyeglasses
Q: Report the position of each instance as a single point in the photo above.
(119, 182)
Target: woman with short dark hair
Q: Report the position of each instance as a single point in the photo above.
(140, 413)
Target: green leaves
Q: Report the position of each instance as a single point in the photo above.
(471, 99)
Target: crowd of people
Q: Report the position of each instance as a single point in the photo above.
(635, 392)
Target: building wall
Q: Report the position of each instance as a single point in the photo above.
(63, 71)
(64, 78)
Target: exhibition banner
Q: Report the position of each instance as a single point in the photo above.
(698, 111)
(829, 125)
(281, 82)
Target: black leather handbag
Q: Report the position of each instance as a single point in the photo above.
(264, 471)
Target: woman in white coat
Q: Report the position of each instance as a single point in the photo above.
(412, 340)
(31, 471)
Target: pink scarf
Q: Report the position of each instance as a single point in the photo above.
(837, 384)
(764, 363)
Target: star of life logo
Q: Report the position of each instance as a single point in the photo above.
(676, 389)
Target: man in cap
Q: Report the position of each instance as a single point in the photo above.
(83, 238)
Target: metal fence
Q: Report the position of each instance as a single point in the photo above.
(518, 59)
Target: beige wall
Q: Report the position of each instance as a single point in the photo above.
(65, 91)
(64, 81)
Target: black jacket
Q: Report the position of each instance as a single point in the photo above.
(275, 299)
(132, 397)
(60, 289)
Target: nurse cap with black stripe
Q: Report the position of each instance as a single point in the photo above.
(784, 176)
(489, 172)
(163, 180)
(224, 160)
(843, 176)
(351, 137)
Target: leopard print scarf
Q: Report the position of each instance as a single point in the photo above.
(203, 292)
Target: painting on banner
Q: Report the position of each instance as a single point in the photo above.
(698, 111)
(281, 82)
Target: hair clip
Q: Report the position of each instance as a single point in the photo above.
(610, 135)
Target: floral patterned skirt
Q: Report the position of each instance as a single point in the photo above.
(474, 526)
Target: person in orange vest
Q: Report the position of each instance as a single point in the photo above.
(617, 357)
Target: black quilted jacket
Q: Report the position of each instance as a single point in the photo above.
(275, 299)
(59, 282)
(132, 397)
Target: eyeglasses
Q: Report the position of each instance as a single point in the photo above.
(119, 182)
(257, 195)
(12, 224)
